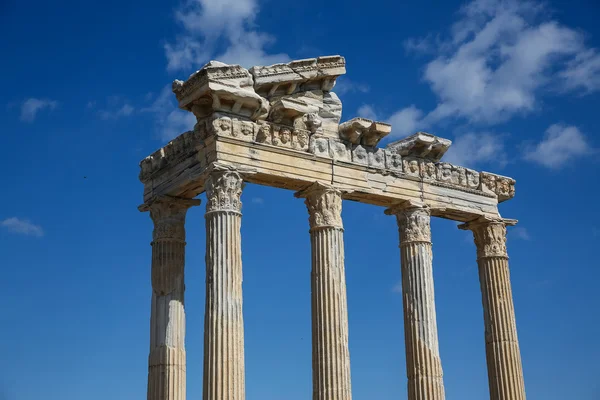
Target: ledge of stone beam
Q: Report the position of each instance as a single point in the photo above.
(422, 145)
(364, 131)
(301, 142)
(312, 74)
(222, 88)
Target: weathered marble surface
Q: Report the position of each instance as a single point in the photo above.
(505, 369)
(423, 362)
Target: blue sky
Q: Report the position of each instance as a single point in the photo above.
(86, 95)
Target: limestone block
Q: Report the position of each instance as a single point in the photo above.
(360, 156)
(353, 129)
(393, 161)
(221, 87)
(376, 158)
(422, 145)
(376, 132)
(339, 150)
(319, 146)
(298, 75)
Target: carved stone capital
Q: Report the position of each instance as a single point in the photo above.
(324, 203)
(168, 214)
(224, 190)
(414, 221)
(489, 235)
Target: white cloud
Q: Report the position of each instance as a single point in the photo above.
(367, 111)
(397, 288)
(31, 107)
(561, 144)
(407, 121)
(583, 72)
(170, 121)
(21, 226)
(471, 149)
(344, 85)
(207, 23)
(258, 200)
(499, 57)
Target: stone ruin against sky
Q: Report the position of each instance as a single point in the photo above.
(279, 126)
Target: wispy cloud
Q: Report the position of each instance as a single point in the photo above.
(471, 149)
(397, 288)
(208, 23)
(498, 59)
(32, 106)
(367, 111)
(561, 144)
(22, 226)
(170, 121)
(344, 85)
(258, 200)
(124, 110)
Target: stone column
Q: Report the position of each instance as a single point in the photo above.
(166, 370)
(223, 320)
(330, 354)
(505, 371)
(423, 363)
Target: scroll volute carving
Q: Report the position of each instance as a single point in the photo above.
(489, 235)
(324, 205)
(224, 191)
(490, 239)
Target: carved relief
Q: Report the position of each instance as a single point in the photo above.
(428, 170)
(324, 205)
(393, 161)
(285, 136)
(488, 182)
(376, 158)
(222, 126)
(411, 167)
(300, 139)
(223, 191)
(340, 150)
(243, 130)
(264, 134)
(472, 179)
(319, 146)
(490, 239)
(413, 224)
(359, 155)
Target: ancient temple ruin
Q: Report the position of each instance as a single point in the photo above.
(280, 125)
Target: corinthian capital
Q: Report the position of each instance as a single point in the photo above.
(324, 203)
(414, 221)
(489, 235)
(224, 190)
(168, 214)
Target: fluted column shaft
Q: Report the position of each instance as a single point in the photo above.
(423, 363)
(166, 363)
(224, 376)
(330, 356)
(505, 370)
